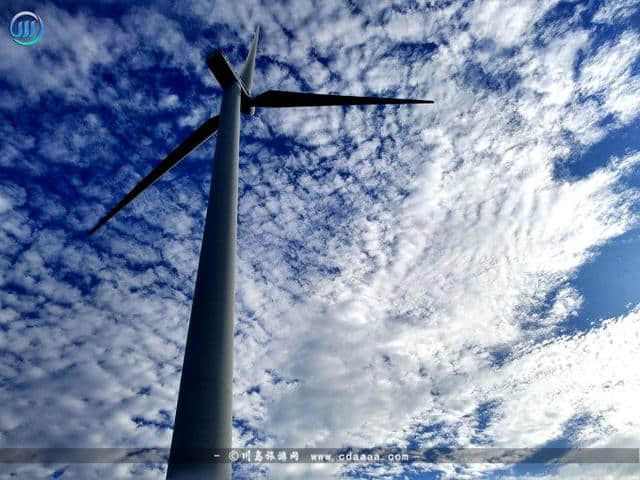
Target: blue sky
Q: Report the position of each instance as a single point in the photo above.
(462, 274)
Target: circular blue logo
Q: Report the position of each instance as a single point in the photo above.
(26, 28)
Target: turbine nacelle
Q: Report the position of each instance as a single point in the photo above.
(224, 73)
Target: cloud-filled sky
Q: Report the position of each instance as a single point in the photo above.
(456, 275)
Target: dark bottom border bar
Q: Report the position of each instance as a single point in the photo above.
(323, 455)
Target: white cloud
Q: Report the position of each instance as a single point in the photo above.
(613, 11)
(169, 101)
(608, 74)
(553, 382)
(552, 72)
(507, 23)
(196, 117)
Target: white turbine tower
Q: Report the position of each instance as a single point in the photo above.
(203, 415)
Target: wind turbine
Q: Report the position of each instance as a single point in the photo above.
(203, 414)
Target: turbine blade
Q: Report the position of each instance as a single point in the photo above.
(279, 99)
(249, 65)
(202, 133)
